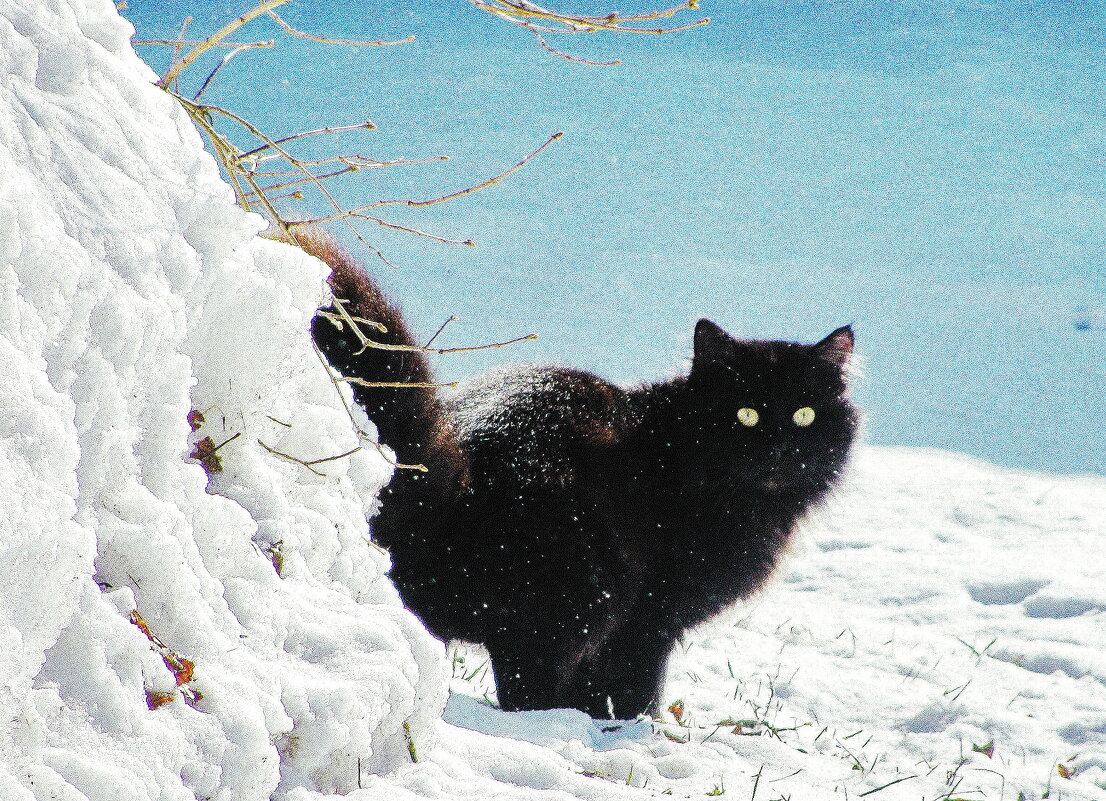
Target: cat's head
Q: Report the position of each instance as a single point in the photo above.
(776, 413)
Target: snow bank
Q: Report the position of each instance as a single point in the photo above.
(132, 291)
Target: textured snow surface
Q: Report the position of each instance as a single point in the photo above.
(937, 604)
(133, 290)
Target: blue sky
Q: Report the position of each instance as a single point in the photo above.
(932, 172)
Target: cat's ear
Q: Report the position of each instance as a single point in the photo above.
(837, 348)
(713, 346)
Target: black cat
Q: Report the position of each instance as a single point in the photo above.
(576, 528)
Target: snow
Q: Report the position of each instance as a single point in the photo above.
(128, 273)
(938, 603)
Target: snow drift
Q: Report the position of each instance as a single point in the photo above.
(175, 633)
(134, 291)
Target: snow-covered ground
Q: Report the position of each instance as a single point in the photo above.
(937, 604)
(175, 633)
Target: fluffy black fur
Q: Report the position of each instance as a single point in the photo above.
(576, 528)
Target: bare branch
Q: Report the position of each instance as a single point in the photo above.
(309, 464)
(566, 56)
(442, 351)
(225, 60)
(221, 34)
(294, 32)
(483, 347)
(521, 11)
(347, 317)
(452, 319)
(361, 382)
(483, 185)
(275, 452)
(194, 42)
(180, 37)
(361, 435)
(367, 125)
(415, 231)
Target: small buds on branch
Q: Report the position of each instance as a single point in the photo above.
(367, 125)
(539, 20)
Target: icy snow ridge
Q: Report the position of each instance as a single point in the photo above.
(170, 634)
(132, 290)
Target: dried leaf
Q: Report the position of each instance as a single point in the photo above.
(156, 700)
(204, 453)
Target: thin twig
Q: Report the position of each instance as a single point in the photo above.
(361, 382)
(486, 183)
(308, 463)
(612, 22)
(224, 61)
(452, 319)
(344, 214)
(367, 125)
(294, 32)
(367, 343)
(180, 37)
(526, 8)
(415, 231)
(360, 320)
(353, 160)
(194, 42)
(211, 41)
(483, 347)
(361, 435)
(275, 452)
(548, 47)
(353, 164)
(350, 452)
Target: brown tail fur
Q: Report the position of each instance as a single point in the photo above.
(409, 420)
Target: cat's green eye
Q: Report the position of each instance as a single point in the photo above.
(748, 417)
(803, 417)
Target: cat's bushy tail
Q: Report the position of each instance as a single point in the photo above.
(409, 420)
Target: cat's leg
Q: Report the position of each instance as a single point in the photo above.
(531, 673)
(626, 678)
